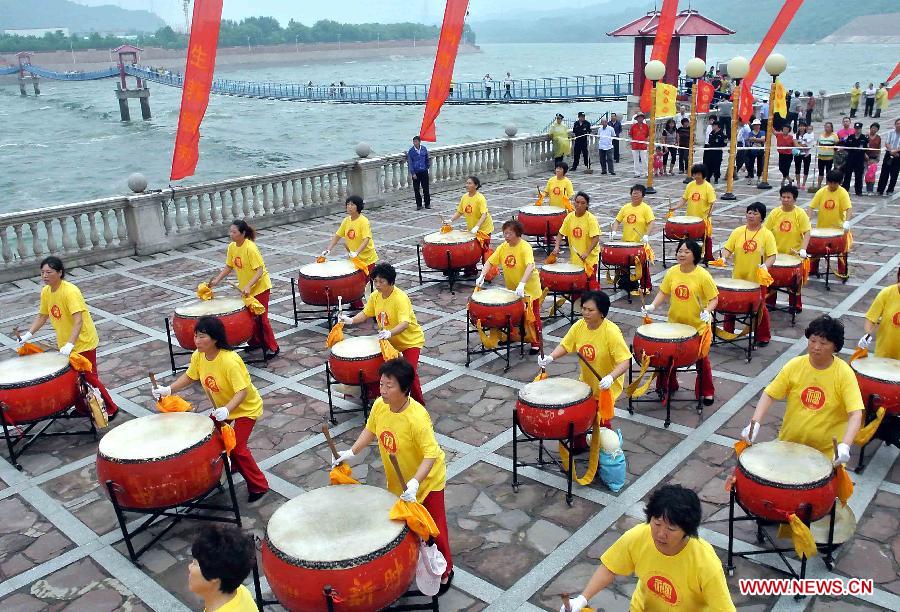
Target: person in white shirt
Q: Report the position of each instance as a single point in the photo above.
(488, 85)
(743, 144)
(605, 135)
(803, 142)
(870, 100)
(507, 86)
(764, 111)
(682, 113)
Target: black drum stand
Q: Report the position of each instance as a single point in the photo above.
(558, 304)
(243, 347)
(828, 256)
(452, 275)
(888, 431)
(568, 443)
(666, 239)
(666, 397)
(748, 320)
(365, 403)
(792, 290)
(499, 352)
(617, 273)
(328, 311)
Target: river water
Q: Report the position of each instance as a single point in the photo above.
(68, 144)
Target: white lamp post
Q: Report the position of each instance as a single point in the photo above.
(654, 71)
(738, 67)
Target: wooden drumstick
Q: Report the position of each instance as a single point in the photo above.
(565, 601)
(753, 424)
(327, 434)
(153, 380)
(396, 464)
(835, 444)
(589, 366)
(209, 397)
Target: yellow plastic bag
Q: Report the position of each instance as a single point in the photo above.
(417, 518)
(342, 475)
(204, 292)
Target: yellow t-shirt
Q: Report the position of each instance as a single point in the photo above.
(691, 580)
(689, 293)
(750, 249)
(246, 260)
(832, 207)
(354, 232)
(580, 231)
(472, 207)
(224, 376)
(514, 261)
(788, 228)
(241, 602)
(59, 306)
(396, 308)
(603, 348)
(700, 199)
(559, 190)
(818, 402)
(635, 220)
(885, 311)
(410, 435)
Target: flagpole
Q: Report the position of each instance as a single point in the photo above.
(654, 71)
(737, 69)
(775, 65)
(695, 69)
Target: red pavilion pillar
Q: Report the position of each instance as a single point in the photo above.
(700, 44)
(640, 49)
(672, 60)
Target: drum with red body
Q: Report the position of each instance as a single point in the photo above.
(161, 460)
(541, 220)
(34, 387)
(564, 277)
(826, 241)
(786, 270)
(776, 479)
(545, 408)
(239, 322)
(685, 227)
(667, 342)
(320, 284)
(340, 537)
(353, 358)
(621, 253)
(496, 308)
(879, 376)
(738, 296)
(450, 251)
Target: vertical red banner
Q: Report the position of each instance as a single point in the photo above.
(198, 76)
(705, 94)
(664, 30)
(442, 75)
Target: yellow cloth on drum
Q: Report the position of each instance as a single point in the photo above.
(864, 435)
(740, 446)
(729, 336)
(228, 438)
(709, 227)
(859, 353)
(568, 205)
(705, 341)
(804, 543)
(670, 214)
(638, 269)
(335, 335)
(321, 259)
(417, 518)
(763, 277)
(342, 475)
(254, 305)
(530, 328)
(387, 350)
(488, 340)
(359, 264)
(804, 268)
(173, 403)
(542, 375)
(593, 457)
(551, 259)
(844, 484)
(204, 292)
(80, 363)
(648, 251)
(606, 404)
(718, 263)
(540, 199)
(446, 228)
(635, 389)
(29, 348)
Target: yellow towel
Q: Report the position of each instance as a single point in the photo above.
(335, 335)
(228, 438)
(844, 484)
(718, 263)
(763, 277)
(804, 543)
(593, 457)
(551, 259)
(360, 265)
(254, 305)
(859, 353)
(417, 518)
(864, 435)
(341, 475)
(446, 228)
(568, 205)
(173, 403)
(648, 251)
(740, 446)
(705, 342)
(204, 292)
(540, 200)
(542, 375)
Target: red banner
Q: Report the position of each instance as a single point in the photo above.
(664, 30)
(442, 75)
(895, 73)
(776, 30)
(895, 88)
(198, 76)
(705, 93)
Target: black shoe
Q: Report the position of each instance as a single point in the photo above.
(252, 347)
(762, 344)
(709, 401)
(534, 350)
(255, 497)
(112, 417)
(273, 354)
(613, 173)
(428, 206)
(445, 586)
(418, 207)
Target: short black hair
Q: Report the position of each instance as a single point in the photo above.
(676, 505)
(55, 263)
(599, 298)
(828, 328)
(215, 329)
(758, 207)
(562, 165)
(791, 190)
(417, 138)
(693, 247)
(582, 194)
(875, 125)
(224, 552)
(834, 176)
(356, 201)
(685, 119)
(475, 180)
(701, 168)
(638, 187)
(386, 271)
(514, 225)
(400, 370)
(245, 229)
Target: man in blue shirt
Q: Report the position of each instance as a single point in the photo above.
(419, 163)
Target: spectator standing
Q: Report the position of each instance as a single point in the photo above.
(870, 100)
(881, 100)
(755, 153)
(846, 128)
(488, 85)
(712, 155)
(810, 107)
(890, 167)
(559, 136)
(855, 93)
(784, 142)
(670, 148)
(872, 156)
(742, 158)
(419, 164)
(616, 125)
(803, 143)
(640, 135)
(683, 113)
(684, 141)
(507, 86)
(826, 143)
(795, 109)
(856, 144)
(605, 135)
(582, 133)
(723, 113)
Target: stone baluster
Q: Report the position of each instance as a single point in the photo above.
(35, 239)
(51, 239)
(121, 227)
(332, 186)
(20, 241)
(79, 231)
(204, 215)
(95, 236)
(305, 188)
(107, 227)
(246, 203)
(295, 193)
(4, 243)
(180, 223)
(266, 202)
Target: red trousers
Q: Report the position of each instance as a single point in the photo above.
(434, 503)
(415, 392)
(708, 249)
(93, 379)
(242, 460)
(703, 388)
(485, 247)
(763, 330)
(265, 336)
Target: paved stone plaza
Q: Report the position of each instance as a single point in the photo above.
(61, 549)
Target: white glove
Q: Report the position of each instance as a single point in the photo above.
(520, 290)
(479, 281)
(384, 334)
(846, 226)
(612, 234)
(326, 252)
(763, 266)
(352, 254)
(66, 349)
(803, 254)
(647, 309)
(865, 342)
(606, 382)
(843, 454)
(749, 436)
(575, 605)
(161, 392)
(645, 239)
(543, 362)
(346, 319)
(220, 414)
(24, 338)
(705, 316)
(412, 487)
(474, 230)
(343, 456)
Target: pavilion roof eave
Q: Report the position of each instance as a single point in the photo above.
(688, 23)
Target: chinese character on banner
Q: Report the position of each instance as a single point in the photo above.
(664, 29)
(705, 93)
(448, 45)
(778, 103)
(666, 96)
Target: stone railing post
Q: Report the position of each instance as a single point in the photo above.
(146, 227)
(514, 154)
(363, 176)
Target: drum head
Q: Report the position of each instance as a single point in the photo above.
(495, 296)
(552, 392)
(214, 307)
(786, 463)
(328, 269)
(737, 284)
(684, 220)
(357, 348)
(844, 525)
(563, 268)
(879, 368)
(30, 368)
(783, 260)
(623, 244)
(156, 437)
(826, 232)
(543, 210)
(667, 331)
(334, 524)
(451, 237)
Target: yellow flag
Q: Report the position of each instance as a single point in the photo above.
(666, 97)
(778, 104)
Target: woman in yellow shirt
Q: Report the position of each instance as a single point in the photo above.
(223, 557)
(636, 219)
(244, 258)
(223, 373)
(473, 207)
(357, 234)
(396, 320)
(695, 298)
(699, 197)
(582, 230)
(676, 569)
(884, 315)
(559, 187)
(403, 428)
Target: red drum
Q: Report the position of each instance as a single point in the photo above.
(786, 270)
(496, 307)
(879, 376)
(239, 322)
(339, 536)
(667, 341)
(355, 357)
(826, 241)
(776, 479)
(541, 220)
(37, 386)
(564, 277)
(451, 251)
(685, 227)
(546, 408)
(738, 296)
(161, 460)
(621, 253)
(320, 284)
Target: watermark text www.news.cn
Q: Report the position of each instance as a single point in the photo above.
(808, 586)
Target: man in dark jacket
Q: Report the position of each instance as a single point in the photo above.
(419, 163)
(856, 144)
(712, 156)
(582, 132)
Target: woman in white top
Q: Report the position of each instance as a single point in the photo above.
(803, 142)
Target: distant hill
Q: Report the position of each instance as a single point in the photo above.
(868, 29)
(21, 14)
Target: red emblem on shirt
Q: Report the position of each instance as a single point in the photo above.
(578, 232)
(683, 292)
(384, 319)
(785, 226)
(351, 234)
(587, 351)
(749, 246)
(829, 204)
(55, 311)
(663, 588)
(695, 196)
(210, 383)
(631, 219)
(812, 398)
(238, 263)
(468, 209)
(896, 319)
(388, 441)
(510, 261)
(556, 191)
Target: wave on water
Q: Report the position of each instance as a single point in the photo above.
(35, 145)
(43, 108)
